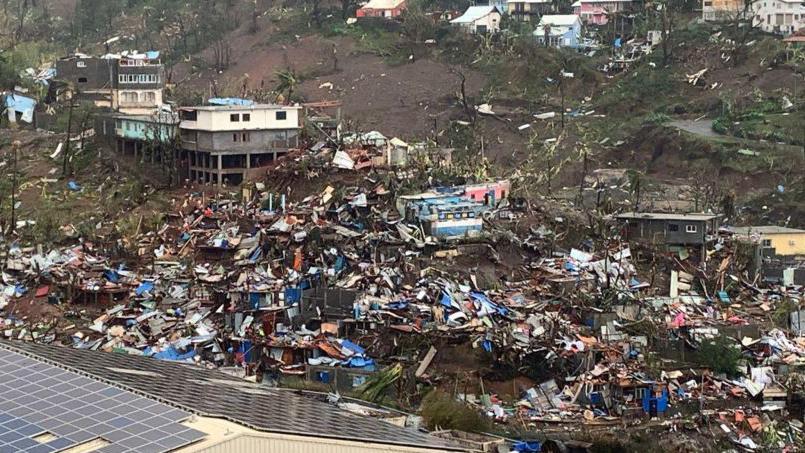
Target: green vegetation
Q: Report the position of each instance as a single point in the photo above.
(720, 355)
(441, 411)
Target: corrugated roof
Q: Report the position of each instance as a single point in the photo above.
(665, 216)
(211, 393)
(383, 4)
(560, 20)
(474, 13)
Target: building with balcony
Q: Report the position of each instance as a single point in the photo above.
(781, 17)
(224, 144)
(597, 12)
(130, 83)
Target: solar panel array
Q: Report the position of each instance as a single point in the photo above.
(211, 393)
(37, 398)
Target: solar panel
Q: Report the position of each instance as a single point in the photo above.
(38, 398)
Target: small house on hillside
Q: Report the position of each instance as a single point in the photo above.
(560, 30)
(382, 8)
(480, 19)
(597, 12)
(528, 10)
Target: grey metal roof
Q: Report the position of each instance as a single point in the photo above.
(42, 399)
(212, 393)
(765, 229)
(665, 216)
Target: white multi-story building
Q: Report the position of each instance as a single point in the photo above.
(782, 17)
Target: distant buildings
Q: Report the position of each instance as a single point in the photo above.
(382, 8)
(480, 19)
(778, 252)
(129, 83)
(528, 10)
(224, 143)
(562, 30)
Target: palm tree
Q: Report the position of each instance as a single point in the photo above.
(287, 82)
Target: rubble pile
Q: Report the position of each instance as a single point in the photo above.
(328, 287)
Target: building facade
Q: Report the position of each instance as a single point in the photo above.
(480, 19)
(528, 10)
(382, 8)
(722, 10)
(224, 144)
(597, 12)
(562, 30)
(131, 84)
(677, 232)
(782, 17)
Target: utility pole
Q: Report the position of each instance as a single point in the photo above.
(66, 156)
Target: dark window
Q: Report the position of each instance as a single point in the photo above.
(282, 116)
(691, 229)
(189, 115)
(247, 117)
(673, 227)
(234, 118)
(246, 137)
(234, 137)
(82, 80)
(767, 243)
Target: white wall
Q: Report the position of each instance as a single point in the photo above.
(261, 118)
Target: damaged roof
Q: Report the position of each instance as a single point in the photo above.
(212, 393)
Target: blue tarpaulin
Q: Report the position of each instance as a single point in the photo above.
(21, 104)
(533, 446)
(144, 288)
(152, 54)
(488, 304)
(293, 295)
(446, 300)
(111, 275)
(74, 186)
(353, 347)
(230, 101)
(171, 353)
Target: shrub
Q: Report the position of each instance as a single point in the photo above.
(440, 410)
(720, 355)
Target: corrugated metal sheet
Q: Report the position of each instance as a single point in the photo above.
(267, 443)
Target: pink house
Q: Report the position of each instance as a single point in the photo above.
(382, 8)
(596, 12)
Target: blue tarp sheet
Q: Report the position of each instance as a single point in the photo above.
(353, 347)
(293, 295)
(152, 54)
(533, 446)
(171, 354)
(21, 104)
(144, 288)
(230, 101)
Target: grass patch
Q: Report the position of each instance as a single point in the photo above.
(441, 411)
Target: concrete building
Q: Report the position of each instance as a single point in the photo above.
(784, 241)
(130, 83)
(722, 10)
(781, 17)
(677, 232)
(528, 10)
(225, 143)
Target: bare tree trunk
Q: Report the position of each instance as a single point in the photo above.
(66, 156)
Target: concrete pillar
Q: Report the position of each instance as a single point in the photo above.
(248, 161)
(220, 168)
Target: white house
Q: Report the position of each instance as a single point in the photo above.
(480, 19)
(782, 17)
(562, 30)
